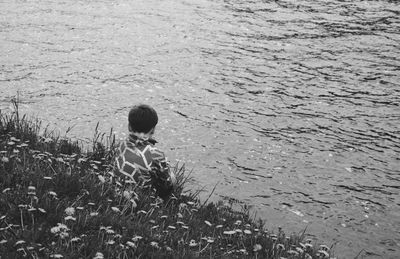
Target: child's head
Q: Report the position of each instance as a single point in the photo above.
(142, 119)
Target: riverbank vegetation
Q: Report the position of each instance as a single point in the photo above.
(59, 201)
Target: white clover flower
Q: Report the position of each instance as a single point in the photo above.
(98, 256)
(127, 195)
(52, 193)
(110, 231)
(19, 242)
(247, 232)
(56, 256)
(69, 211)
(75, 239)
(136, 238)
(102, 179)
(55, 230)
(154, 244)
(192, 243)
(116, 209)
(110, 242)
(5, 159)
(257, 247)
(69, 218)
(131, 244)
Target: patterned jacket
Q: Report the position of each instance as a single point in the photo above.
(139, 161)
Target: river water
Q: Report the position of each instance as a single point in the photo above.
(290, 106)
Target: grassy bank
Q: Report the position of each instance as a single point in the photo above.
(59, 201)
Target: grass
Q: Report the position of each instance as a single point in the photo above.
(58, 201)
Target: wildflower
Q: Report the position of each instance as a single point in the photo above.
(127, 195)
(247, 232)
(110, 242)
(257, 247)
(298, 249)
(116, 210)
(152, 221)
(93, 214)
(3, 241)
(5, 159)
(102, 179)
(185, 227)
(280, 246)
(190, 203)
(324, 247)
(308, 246)
(98, 256)
(208, 223)
(19, 242)
(31, 190)
(75, 239)
(56, 256)
(131, 244)
(239, 231)
(243, 251)
(238, 222)
(11, 143)
(142, 211)
(210, 240)
(154, 244)
(323, 252)
(47, 178)
(69, 218)
(80, 208)
(247, 225)
(169, 249)
(256, 230)
(52, 193)
(172, 227)
(136, 238)
(218, 226)
(91, 203)
(69, 211)
(192, 243)
(154, 227)
(31, 209)
(110, 231)
(179, 215)
(134, 204)
(164, 216)
(180, 223)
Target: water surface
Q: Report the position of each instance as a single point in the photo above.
(292, 106)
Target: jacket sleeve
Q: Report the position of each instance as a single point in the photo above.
(162, 177)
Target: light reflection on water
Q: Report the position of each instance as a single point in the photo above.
(292, 106)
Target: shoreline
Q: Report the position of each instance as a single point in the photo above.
(58, 201)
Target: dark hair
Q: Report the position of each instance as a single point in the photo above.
(142, 118)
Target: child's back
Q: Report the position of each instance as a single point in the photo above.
(138, 160)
